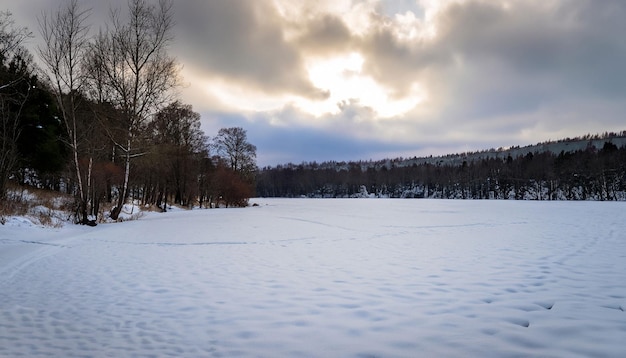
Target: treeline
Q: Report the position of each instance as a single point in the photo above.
(101, 120)
(590, 174)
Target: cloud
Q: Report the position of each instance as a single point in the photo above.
(350, 79)
(242, 41)
(492, 61)
(323, 34)
(305, 140)
(565, 38)
(493, 75)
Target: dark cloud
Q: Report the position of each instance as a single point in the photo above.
(324, 34)
(242, 41)
(524, 59)
(569, 38)
(576, 43)
(398, 63)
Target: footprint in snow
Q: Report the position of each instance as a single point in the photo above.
(519, 321)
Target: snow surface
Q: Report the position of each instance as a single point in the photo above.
(323, 278)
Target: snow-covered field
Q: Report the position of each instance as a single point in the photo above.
(323, 278)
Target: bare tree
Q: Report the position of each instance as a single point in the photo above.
(65, 34)
(138, 72)
(15, 73)
(232, 145)
(11, 38)
(179, 144)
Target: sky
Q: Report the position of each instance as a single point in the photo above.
(372, 79)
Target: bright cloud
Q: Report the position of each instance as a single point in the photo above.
(344, 79)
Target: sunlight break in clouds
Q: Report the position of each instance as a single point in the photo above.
(343, 78)
(336, 71)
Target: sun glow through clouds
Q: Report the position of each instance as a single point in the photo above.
(343, 78)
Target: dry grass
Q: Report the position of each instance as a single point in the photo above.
(54, 209)
(13, 205)
(42, 207)
(152, 209)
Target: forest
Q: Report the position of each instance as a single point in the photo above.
(584, 174)
(98, 118)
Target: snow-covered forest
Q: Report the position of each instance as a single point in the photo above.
(589, 168)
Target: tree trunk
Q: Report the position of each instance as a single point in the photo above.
(121, 200)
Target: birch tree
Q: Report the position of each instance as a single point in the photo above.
(65, 34)
(138, 72)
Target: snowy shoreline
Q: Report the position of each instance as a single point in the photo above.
(323, 278)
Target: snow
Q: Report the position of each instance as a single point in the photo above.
(323, 278)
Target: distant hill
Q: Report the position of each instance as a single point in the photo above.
(591, 167)
(555, 147)
(567, 145)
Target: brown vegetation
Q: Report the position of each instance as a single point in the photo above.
(42, 207)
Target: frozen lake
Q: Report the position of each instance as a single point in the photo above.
(323, 278)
